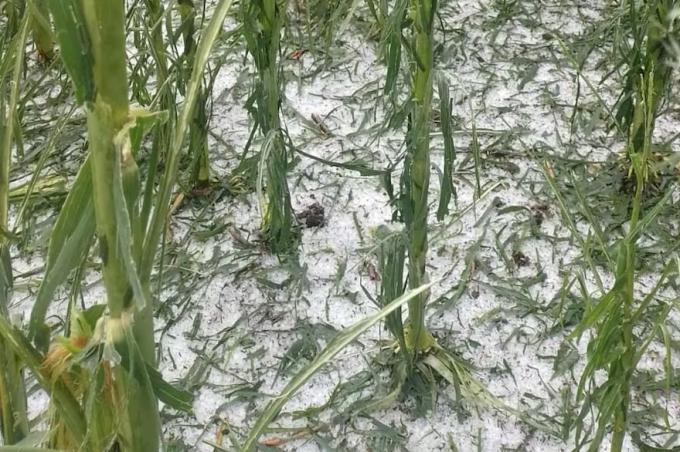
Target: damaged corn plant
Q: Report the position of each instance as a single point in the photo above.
(623, 321)
(192, 21)
(101, 372)
(420, 358)
(263, 22)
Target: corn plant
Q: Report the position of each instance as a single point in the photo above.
(416, 177)
(420, 353)
(614, 346)
(121, 344)
(13, 410)
(101, 375)
(263, 22)
(415, 180)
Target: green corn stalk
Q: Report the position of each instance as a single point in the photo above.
(416, 177)
(13, 409)
(639, 149)
(422, 355)
(110, 371)
(92, 39)
(612, 317)
(263, 22)
(651, 83)
(116, 186)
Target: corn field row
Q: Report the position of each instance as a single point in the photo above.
(339, 225)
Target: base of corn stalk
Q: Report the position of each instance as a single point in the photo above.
(279, 228)
(420, 381)
(435, 363)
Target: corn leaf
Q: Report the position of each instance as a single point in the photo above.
(447, 188)
(170, 395)
(394, 45)
(358, 165)
(335, 346)
(70, 241)
(74, 43)
(124, 230)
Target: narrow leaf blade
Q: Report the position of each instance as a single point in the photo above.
(335, 346)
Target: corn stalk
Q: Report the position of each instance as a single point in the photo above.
(102, 378)
(416, 177)
(263, 22)
(115, 189)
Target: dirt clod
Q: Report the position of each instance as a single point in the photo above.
(313, 216)
(520, 259)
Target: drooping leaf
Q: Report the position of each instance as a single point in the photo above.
(70, 241)
(142, 122)
(342, 340)
(447, 189)
(172, 396)
(394, 38)
(123, 210)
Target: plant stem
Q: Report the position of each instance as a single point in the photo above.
(418, 161)
(640, 144)
(107, 116)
